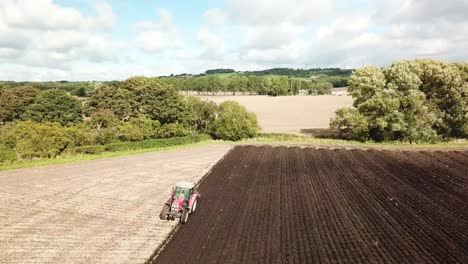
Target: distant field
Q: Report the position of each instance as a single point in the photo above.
(290, 114)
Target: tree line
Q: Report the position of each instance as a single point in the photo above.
(252, 84)
(412, 101)
(274, 82)
(35, 123)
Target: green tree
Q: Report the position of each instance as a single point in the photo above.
(30, 139)
(237, 83)
(15, 101)
(351, 124)
(320, 88)
(151, 97)
(140, 96)
(202, 113)
(110, 98)
(234, 122)
(446, 89)
(55, 106)
(415, 101)
(279, 86)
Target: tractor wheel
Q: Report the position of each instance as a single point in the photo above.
(165, 210)
(194, 206)
(184, 217)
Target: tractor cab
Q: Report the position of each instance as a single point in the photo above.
(182, 202)
(183, 190)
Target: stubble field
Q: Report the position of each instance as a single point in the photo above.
(102, 211)
(290, 114)
(294, 205)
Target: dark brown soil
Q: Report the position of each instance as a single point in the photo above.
(293, 205)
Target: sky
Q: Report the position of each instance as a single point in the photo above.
(84, 40)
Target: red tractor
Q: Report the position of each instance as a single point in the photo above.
(183, 201)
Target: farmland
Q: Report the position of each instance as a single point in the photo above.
(102, 211)
(290, 114)
(308, 205)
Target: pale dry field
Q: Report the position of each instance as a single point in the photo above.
(290, 114)
(102, 211)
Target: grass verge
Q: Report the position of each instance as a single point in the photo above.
(273, 138)
(132, 148)
(111, 150)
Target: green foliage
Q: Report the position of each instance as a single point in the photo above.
(203, 113)
(320, 88)
(279, 86)
(217, 71)
(140, 128)
(55, 106)
(351, 124)
(140, 96)
(173, 130)
(80, 92)
(7, 154)
(234, 122)
(414, 101)
(446, 89)
(35, 140)
(94, 149)
(155, 143)
(336, 81)
(109, 99)
(305, 73)
(15, 101)
(237, 83)
(151, 97)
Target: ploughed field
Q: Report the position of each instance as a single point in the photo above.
(294, 205)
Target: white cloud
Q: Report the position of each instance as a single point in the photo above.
(159, 36)
(41, 39)
(41, 33)
(46, 15)
(267, 12)
(422, 11)
(394, 29)
(212, 35)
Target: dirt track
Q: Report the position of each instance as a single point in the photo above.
(102, 211)
(293, 205)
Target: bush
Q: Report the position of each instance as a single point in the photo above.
(351, 124)
(154, 143)
(7, 155)
(140, 128)
(234, 122)
(320, 88)
(95, 149)
(172, 130)
(35, 140)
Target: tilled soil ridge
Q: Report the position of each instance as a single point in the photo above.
(306, 205)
